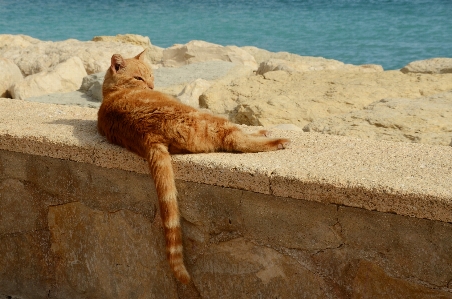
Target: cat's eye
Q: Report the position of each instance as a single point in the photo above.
(139, 78)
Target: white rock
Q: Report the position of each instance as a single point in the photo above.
(9, 41)
(172, 80)
(134, 39)
(303, 97)
(9, 74)
(65, 77)
(421, 120)
(41, 56)
(429, 66)
(286, 127)
(190, 94)
(301, 65)
(307, 64)
(261, 55)
(92, 85)
(199, 51)
(154, 54)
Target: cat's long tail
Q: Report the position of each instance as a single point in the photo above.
(162, 172)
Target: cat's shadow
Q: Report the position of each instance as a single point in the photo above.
(84, 130)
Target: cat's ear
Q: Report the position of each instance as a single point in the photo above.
(117, 63)
(141, 55)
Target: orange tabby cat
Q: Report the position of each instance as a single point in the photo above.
(155, 125)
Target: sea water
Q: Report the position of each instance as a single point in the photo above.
(391, 33)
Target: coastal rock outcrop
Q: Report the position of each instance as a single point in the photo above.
(9, 74)
(92, 85)
(247, 85)
(199, 51)
(20, 41)
(421, 120)
(302, 97)
(36, 57)
(66, 76)
(307, 64)
(429, 66)
(186, 81)
(191, 92)
(154, 54)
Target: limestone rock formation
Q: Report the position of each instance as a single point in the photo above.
(154, 54)
(173, 80)
(198, 51)
(421, 120)
(10, 41)
(92, 85)
(429, 66)
(9, 74)
(302, 97)
(191, 92)
(247, 85)
(306, 64)
(134, 39)
(261, 55)
(66, 76)
(41, 56)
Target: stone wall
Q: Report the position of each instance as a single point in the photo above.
(328, 217)
(76, 230)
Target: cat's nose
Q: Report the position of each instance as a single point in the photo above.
(151, 85)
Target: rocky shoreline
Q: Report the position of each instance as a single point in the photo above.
(247, 85)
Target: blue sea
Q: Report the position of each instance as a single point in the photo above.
(391, 33)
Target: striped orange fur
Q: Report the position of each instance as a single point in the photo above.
(154, 125)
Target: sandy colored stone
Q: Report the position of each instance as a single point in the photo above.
(191, 92)
(429, 66)
(300, 65)
(198, 51)
(20, 41)
(372, 282)
(154, 54)
(64, 77)
(20, 209)
(406, 244)
(9, 74)
(402, 178)
(26, 265)
(102, 240)
(114, 255)
(92, 85)
(134, 39)
(300, 98)
(227, 213)
(40, 56)
(75, 98)
(307, 64)
(173, 80)
(261, 55)
(241, 269)
(421, 120)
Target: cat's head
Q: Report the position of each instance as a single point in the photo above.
(130, 73)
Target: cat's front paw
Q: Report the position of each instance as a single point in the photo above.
(283, 143)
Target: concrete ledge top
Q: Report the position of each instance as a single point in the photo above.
(402, 178)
